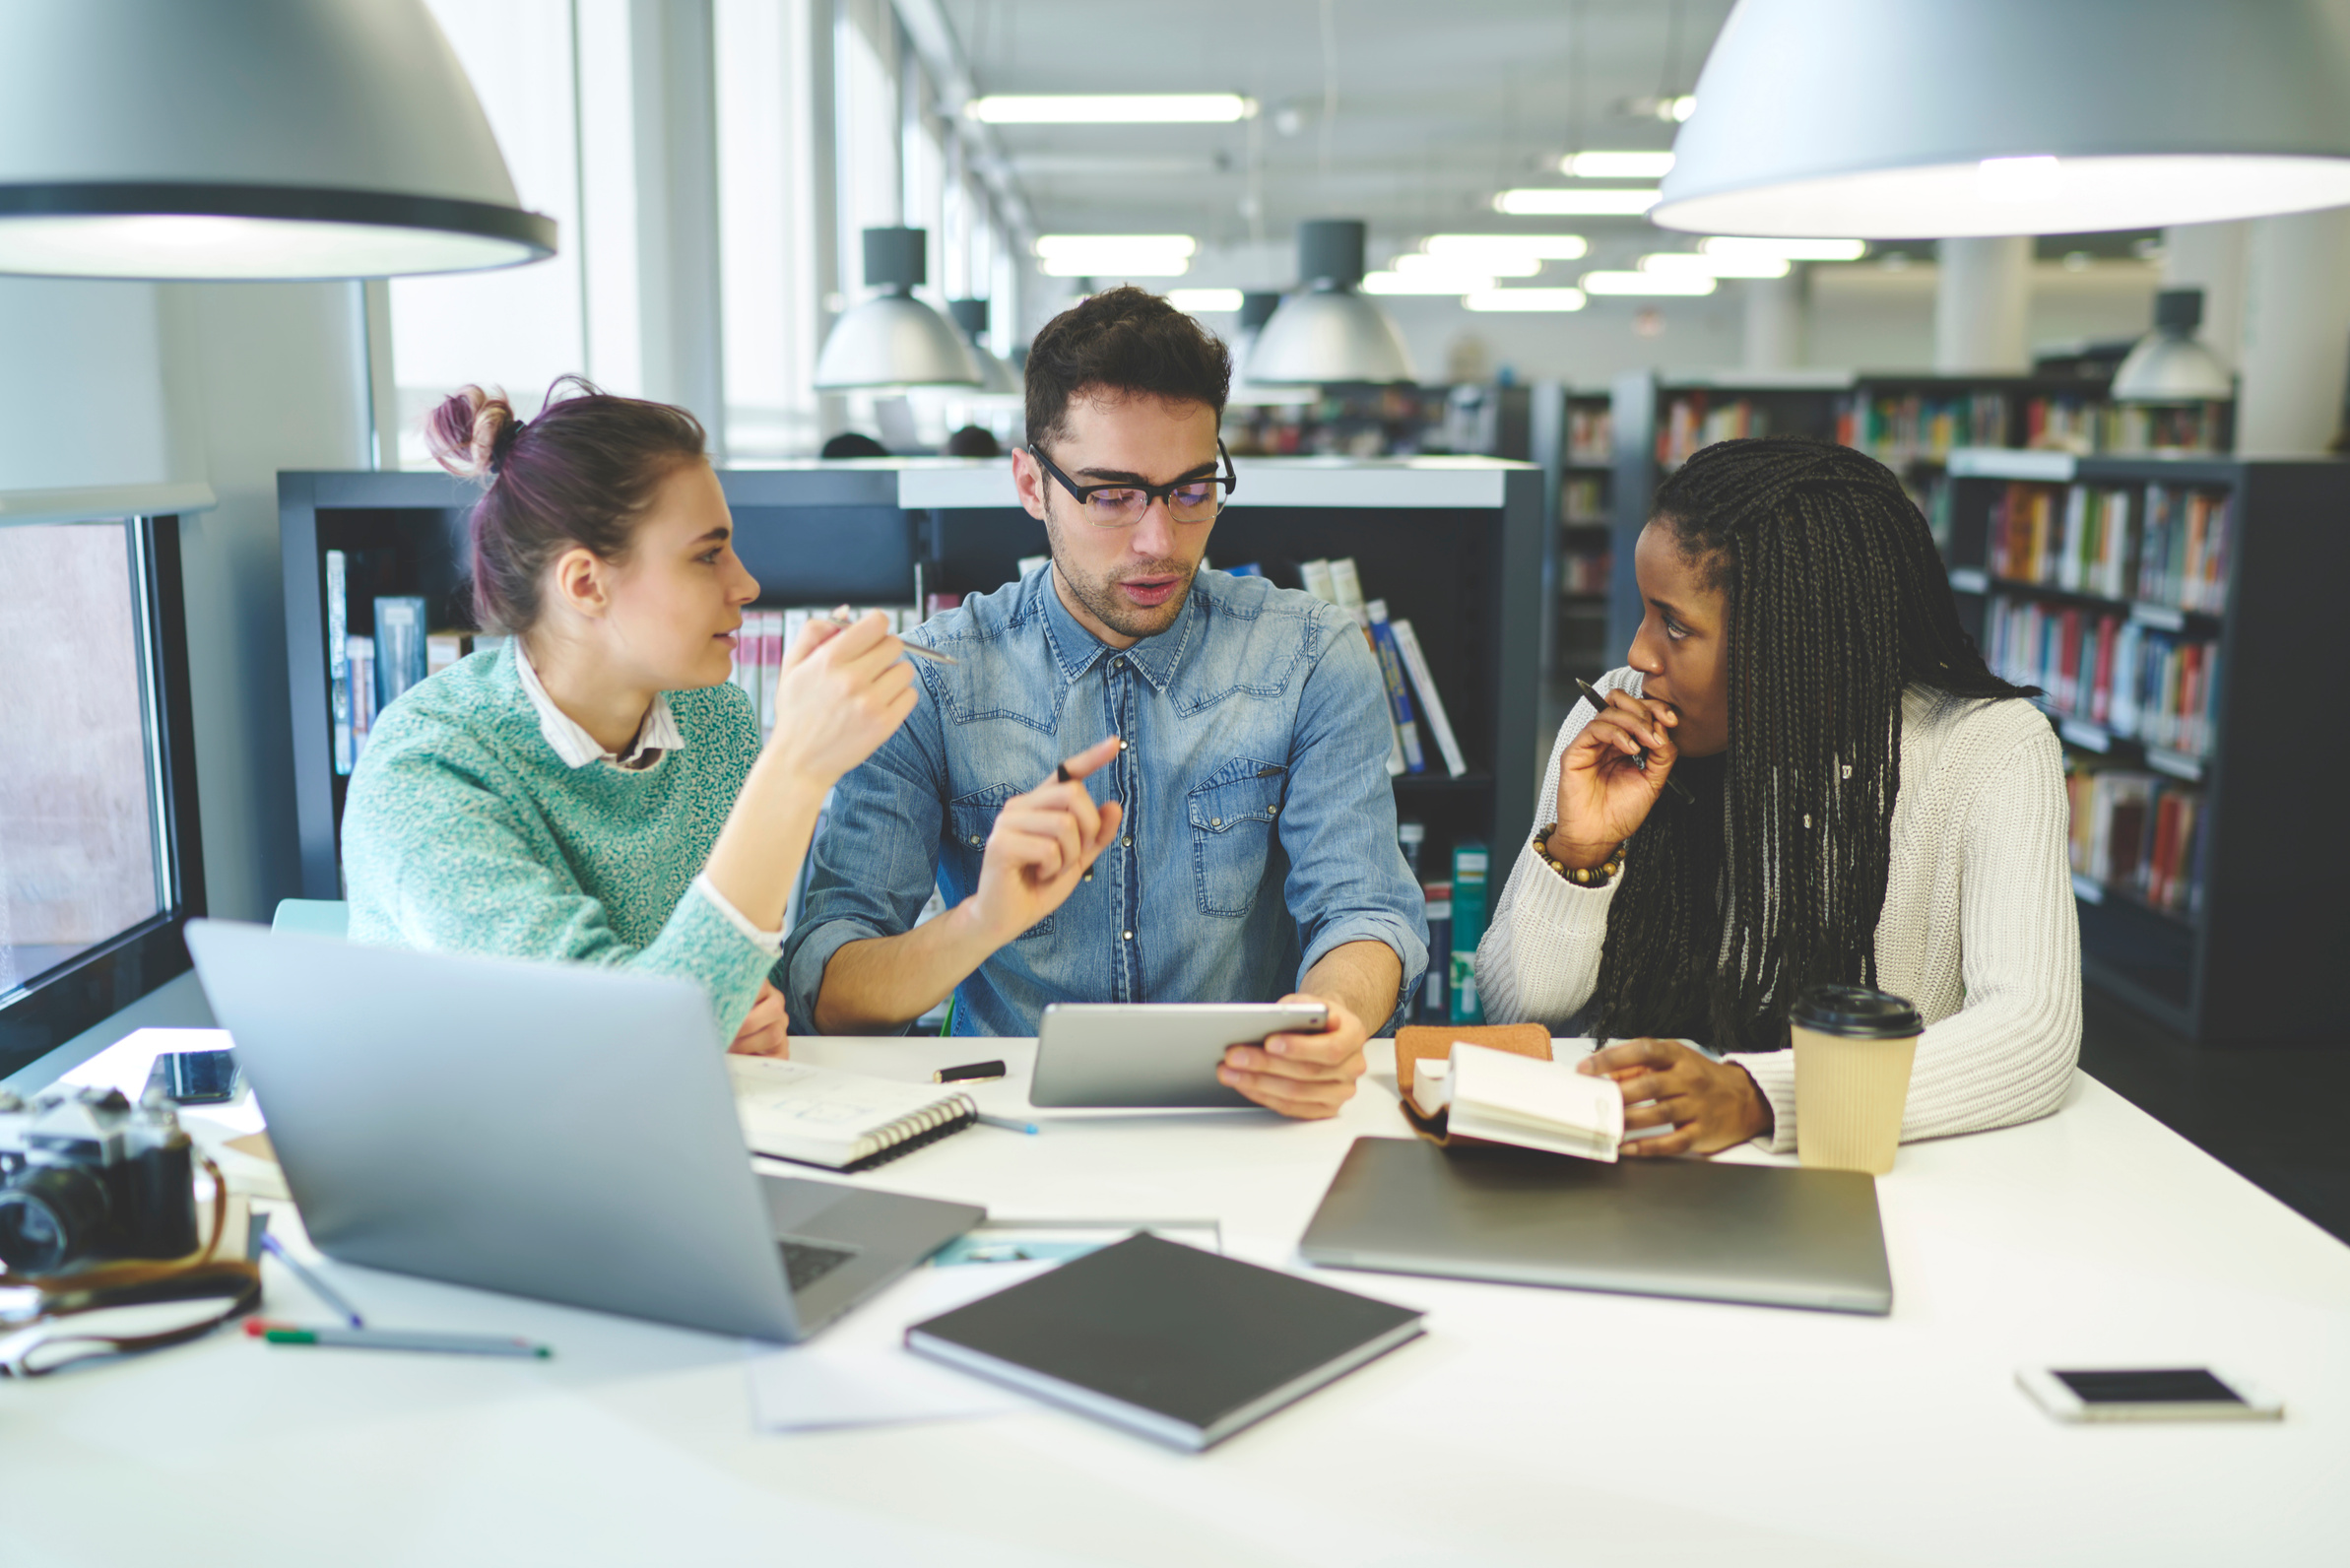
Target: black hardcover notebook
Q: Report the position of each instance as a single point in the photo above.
(1164, 1339)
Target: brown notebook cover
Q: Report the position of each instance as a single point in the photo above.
(1416, 1042)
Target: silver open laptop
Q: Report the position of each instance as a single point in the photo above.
(1698, 1230)
(551, 1130)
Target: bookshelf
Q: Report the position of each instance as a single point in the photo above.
(1452, 543)
(2182, 614)
(1571, 440)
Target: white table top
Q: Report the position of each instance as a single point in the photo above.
(1528, 1426)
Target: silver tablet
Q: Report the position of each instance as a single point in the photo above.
(1152, 1053)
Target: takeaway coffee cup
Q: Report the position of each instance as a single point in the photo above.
(1853, 1047)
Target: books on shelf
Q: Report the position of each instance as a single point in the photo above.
(1583, 501)
(400, 653)
(338, 659)
(2138, 832)
(1423, 680)
(768, 634)
(1585, 571)
(1591, 434)
(1471, 864)
(1692, 421)
(2173, 550)
(1901, 428)
(2143, 684)
(1406, 750)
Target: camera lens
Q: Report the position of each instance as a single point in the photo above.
(47, 1216)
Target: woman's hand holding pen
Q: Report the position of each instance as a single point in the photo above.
(842, 690)
(1604, 793)
(1042, 844)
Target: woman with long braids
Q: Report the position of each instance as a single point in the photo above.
(1867, 804)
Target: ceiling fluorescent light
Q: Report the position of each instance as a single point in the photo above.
(1731, 266)
(2203, 113)
(1110, 108)
(1193, 302)
(1617, 166)
(1498, 264)
(1546, 202)
(1461, 281)
(1473, 249)
(1788, 250)
(1647, 283)
(1115, 255)
(1525, 299)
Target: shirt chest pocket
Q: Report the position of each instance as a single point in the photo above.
(970, 819)
(1233, 817)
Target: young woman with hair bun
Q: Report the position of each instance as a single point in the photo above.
(594, 790)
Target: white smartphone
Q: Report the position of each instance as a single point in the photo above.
(2149, 1393)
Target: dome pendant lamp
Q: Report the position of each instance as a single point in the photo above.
(1325, 331)
(895, 339)
(1896, 119)
(2169, 364)
(996, 378)
(248, 138)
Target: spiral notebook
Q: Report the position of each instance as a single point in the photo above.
(844, 1121)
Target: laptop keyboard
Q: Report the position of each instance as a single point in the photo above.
(807, 1262)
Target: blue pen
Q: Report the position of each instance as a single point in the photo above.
(318, 1287)
(1008, 1124)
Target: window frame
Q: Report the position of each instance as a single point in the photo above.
(54, 1006)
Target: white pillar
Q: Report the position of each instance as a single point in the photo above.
(1980, 305)
(1775, 321)
(2211, 257)
(2296, 334)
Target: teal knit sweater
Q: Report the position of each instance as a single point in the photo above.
(465, 832)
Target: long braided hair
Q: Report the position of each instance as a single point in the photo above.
(1836, 600)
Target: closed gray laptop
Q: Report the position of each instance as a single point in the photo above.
(1760, 1234)
(551, 1130)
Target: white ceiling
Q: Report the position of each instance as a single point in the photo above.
(1438, 106)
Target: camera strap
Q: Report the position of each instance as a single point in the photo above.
(52, 1341)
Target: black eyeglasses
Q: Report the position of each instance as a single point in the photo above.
(1121, 504)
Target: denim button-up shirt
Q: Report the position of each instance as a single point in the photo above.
(1259, 830)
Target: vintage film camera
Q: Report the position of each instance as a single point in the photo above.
(85, 1175)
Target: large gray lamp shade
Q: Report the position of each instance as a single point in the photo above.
(2167, 365)
(895, 339)
(996, 378)
(1325, 331)
(248, 138)
(1888, 120)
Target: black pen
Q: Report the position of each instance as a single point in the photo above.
(967, 1072)
(1640, 759)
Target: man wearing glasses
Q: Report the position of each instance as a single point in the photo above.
(1139, 781)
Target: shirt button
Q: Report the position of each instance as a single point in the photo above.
(1118, 662)
(1088, 876)
(1128, 841)
(1128, 935)
(974, 838)
(1272, 810)
(1216, 821)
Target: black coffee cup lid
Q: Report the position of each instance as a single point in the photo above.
(1855, 1012)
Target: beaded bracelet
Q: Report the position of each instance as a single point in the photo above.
(1582, 876)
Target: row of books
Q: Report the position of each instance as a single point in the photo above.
(366, 671)
(2084, 425)
(1897, 428)
(767, 634)
(1691, 421)
(1401, 660)
(2137, 681)
(2140, 832)
(1591, 434)
(1585, 571)
(2174, 548)
(1456, 911)
(1582, 499)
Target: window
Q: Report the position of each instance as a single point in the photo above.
(98, 862)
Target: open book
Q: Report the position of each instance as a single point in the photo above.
(846, 1121)
(1508, 1098)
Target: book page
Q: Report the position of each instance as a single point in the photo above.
(1516, 1097)
(816, 1113)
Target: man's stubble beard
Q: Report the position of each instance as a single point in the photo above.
(1103, 600)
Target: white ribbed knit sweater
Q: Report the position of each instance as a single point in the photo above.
(1977, 929)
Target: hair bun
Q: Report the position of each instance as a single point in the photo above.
(471, 433)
